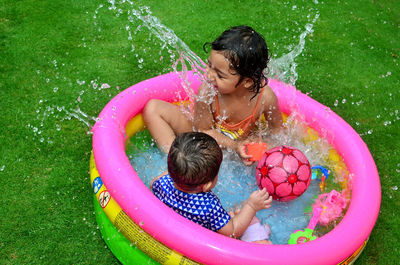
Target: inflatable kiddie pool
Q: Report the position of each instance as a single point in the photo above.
(169, 238)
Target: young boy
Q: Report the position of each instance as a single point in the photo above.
(194, 160)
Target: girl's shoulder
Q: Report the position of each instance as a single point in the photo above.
(268, 97)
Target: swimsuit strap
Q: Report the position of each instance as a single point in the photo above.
(258, 101)
(216, 105)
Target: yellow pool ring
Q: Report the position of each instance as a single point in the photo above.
(154, 249)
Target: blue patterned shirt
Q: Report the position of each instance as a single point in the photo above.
(203, 208)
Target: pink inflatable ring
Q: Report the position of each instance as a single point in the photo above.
(204, 246)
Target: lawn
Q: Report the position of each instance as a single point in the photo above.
(61, 61)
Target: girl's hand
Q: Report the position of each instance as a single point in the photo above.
(241, 151)
(259, 200)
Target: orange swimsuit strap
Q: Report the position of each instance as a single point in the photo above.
(244, 124)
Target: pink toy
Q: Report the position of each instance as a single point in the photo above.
(332, 205)
(285, 172)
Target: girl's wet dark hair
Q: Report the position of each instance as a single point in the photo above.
(247, 52)
(194, 159)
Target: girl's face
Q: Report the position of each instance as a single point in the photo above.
(220, 75)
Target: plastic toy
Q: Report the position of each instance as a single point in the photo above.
(256, 150)
(303, 236)
(320, 174)
(332, 205)
(285, 172)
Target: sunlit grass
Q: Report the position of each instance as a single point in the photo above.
(48, 48)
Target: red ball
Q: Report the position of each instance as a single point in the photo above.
(285, 172)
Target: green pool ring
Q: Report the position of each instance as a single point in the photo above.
(120, 246)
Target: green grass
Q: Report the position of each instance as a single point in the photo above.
(48, 47)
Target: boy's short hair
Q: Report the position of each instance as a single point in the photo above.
(194, 159)
(247, 52)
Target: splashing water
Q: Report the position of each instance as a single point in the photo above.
(139, 20)
(284, 68)
(187, 60)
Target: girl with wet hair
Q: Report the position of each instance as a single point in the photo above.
(247, 52)
(229, 104)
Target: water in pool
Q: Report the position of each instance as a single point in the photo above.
(237, 181)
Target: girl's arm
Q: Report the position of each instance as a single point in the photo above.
(271, 110)
(258, 200)
(203, 118)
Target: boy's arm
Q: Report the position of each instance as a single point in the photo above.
(238, 223)
(258, 200)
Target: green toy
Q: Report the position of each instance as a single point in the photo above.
(303, 236)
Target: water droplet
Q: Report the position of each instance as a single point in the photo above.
(104, 86)
(386, 123)
(336, 103)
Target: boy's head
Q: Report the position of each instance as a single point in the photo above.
(247, 53)
(193, 160)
